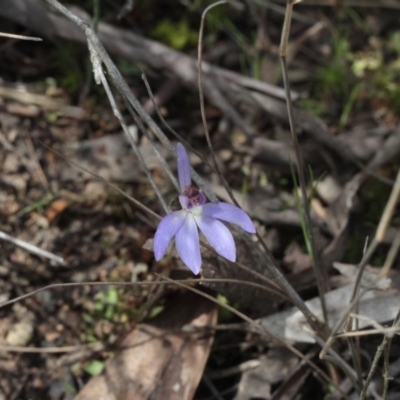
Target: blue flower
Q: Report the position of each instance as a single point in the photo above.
(197, 213)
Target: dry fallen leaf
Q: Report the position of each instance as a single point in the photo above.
(377, 305)
(163, 359)
(273, 368)
(56, 207)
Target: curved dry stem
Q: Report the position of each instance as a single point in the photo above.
(270, 261)
(129, 284)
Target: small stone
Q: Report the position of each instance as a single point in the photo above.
(329, 189)
(20, 334)
(11, 163)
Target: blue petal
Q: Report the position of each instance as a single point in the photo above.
(187, 244)
(183, 167)
(218, 235)
(166, 230)
(185, 202)
(229, 213)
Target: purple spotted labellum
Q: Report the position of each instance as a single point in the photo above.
(198, 213)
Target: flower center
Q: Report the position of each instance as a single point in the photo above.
(195, 195)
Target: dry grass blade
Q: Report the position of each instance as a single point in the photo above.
(32, 248)
(20, 37)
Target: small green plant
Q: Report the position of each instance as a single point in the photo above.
(107, 303)
(372, 75)
(71, 76)
(333, 78)
(332, 84)
(94, 367)
(178, 35)
(379, 69)
(156, 310)
(224, 315)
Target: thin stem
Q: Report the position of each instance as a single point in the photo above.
(299, 164)
(129, 284)
(391, 255)
(162, 160)
(132, 141)
(386, 367)
(389, 210)
(374, 366)
(96, 14)
(200, 83)
(271, 263)
(360, 269)
(169, 129)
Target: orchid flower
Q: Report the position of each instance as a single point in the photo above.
(197, 213)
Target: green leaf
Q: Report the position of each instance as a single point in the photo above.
(94, 367)
(155, 311)
(177, 35)
(112, 296)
